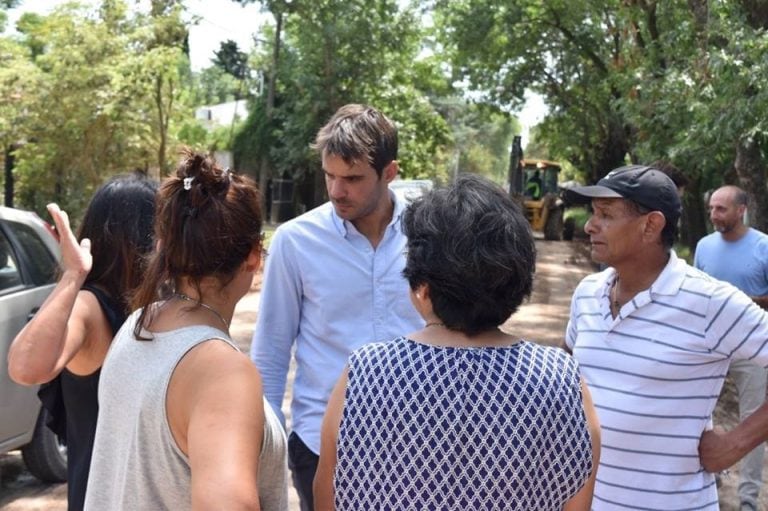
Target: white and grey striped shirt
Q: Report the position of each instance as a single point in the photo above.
(655, 373)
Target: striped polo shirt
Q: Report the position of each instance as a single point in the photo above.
(655, 373)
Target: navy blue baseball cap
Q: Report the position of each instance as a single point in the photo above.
(647, 186)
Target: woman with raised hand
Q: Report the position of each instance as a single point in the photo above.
(66, 341)
(183, 423)
(460, 415)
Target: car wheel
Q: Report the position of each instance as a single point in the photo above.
(46, 455)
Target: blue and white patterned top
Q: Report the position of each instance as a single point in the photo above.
(428, 427)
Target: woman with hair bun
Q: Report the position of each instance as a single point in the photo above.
(183, 423)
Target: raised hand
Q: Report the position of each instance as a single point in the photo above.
(74, 257)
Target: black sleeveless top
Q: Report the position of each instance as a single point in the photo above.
(72, 404)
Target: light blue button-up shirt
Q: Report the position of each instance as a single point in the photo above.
(327, 291)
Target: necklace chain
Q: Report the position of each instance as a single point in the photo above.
(186, 298)
(434, 323)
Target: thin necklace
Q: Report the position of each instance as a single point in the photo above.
(434, 323)
(184, 297)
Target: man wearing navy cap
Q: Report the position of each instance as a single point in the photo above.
(654, 338)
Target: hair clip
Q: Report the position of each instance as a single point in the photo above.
(225, 172)
(188, 182)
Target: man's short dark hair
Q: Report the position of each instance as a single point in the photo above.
(359, 132)
(473, 246)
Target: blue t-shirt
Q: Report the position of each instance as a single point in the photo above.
(743, 263)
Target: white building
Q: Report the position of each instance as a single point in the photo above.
(223, 114)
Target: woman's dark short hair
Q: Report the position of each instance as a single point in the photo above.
(118, 221)
(472, 245)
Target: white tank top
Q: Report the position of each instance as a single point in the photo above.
(136, 463)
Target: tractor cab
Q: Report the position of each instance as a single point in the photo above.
(541, 200)
(540, 178)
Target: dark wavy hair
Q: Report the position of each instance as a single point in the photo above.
(473, 246)
(208, 220)
(118, 221)
(359, 132)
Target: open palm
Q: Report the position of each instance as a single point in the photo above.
(74, 257)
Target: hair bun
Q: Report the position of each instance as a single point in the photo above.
(200, 176)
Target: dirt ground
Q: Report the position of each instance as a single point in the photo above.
(560, 266)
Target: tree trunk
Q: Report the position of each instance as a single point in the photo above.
(693, 224)
(700, 11)
(320, 189)
(10, 161)
(613, 148)
(265, 169)
(750, 168)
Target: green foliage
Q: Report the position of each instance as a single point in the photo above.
(579, 215)
(213, 85)
(627, 82)
(90, 96)
(481, 137)
(231, 60)
(336, 52)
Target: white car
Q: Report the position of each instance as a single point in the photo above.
(410, 189)
(29, 256)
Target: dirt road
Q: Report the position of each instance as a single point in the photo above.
(560, 266)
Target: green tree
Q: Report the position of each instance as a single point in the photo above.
(334, 53)
(106, 98)
(569, 52)
(628, 81)
(213, 85)
(18, 80)
(481, 137)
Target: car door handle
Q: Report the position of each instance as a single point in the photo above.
(32, 314)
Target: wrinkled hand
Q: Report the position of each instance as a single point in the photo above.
(74, 257)
(717, 450)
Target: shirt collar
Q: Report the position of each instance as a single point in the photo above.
(342, 226)
(669, 281)
(671, 278)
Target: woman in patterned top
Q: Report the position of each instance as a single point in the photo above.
(460, 415)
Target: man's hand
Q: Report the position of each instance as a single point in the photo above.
(762, 301)
(718, 450)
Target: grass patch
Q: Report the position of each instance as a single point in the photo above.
(269, 231)
(579, 216)
(684, 252)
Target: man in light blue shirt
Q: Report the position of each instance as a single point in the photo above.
(738, 254)
(333, 280)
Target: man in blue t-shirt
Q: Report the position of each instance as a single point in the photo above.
(738, 254)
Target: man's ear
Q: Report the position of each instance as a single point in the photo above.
(389, 172)
(654, 224)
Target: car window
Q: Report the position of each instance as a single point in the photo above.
(42, 264)
(9, 268)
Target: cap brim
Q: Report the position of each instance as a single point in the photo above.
(580, 194)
